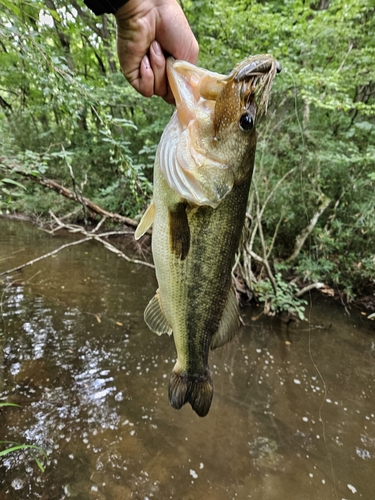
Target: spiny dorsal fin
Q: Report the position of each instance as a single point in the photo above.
(155, 318)
(229, 324)
(146, 222)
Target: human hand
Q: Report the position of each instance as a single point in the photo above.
(147, 32)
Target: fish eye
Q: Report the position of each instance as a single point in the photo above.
(246, 122)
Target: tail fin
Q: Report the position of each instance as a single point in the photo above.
(194, 389)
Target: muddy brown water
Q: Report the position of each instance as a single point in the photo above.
(293, 415)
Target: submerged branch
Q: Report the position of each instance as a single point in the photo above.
(88, 236)
(45, 256)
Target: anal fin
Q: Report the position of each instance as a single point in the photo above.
(154, 317)
(229, 324)
(146, 222)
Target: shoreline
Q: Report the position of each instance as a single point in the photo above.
(365, 303)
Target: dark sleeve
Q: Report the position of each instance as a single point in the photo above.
(100, 7)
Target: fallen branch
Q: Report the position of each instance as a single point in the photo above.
(265, 263)
(58, 188)
(301, 238)
(121, 254)
(45, 256)
(72, 228)
(88, 236)
(307, 288)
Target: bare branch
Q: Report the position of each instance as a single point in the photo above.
(307, 288)
(58, 188)
(77, 193)
(118, 252)
(275, 233)
(99, 237)
(45, 256)
(260, 231)
(301, 238)
(88, 237)
(265, 263)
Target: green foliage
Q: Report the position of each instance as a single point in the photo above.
(63, 101)
(283, 300)
(23, 447)
(61, 90)
(319, 133)
(8, 192)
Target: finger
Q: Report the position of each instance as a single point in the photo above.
(132, 48)
(176, 36)
(144, 84)
(158, 66)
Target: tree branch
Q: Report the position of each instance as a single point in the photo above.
(99, 237)
(45, 256)
(301, 238)
(263, 243)
(307, 288)
(58, 188)
(88, 236)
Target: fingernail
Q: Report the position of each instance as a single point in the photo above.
(146, 62)
(157, 48)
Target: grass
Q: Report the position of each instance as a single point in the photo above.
(21, 447)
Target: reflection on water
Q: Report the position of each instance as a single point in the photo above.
(293, 415)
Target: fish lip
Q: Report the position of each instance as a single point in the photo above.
(255, 67)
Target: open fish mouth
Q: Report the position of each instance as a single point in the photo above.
(250, 69)
(259, 71)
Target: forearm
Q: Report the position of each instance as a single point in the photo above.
(100, 7)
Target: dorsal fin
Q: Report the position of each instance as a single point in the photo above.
(154, 317)
(229, 324)
(146, 222)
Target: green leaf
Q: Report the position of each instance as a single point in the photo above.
(54, 14)
(11, 6)
(15, 183)
(39, 464)
(365, 126)
(19, 447)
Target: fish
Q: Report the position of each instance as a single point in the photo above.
(202, 175)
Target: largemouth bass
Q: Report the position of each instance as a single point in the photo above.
(202, 176)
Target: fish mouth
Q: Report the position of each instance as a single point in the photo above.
(190, 84)
(257, 72)
(251, 68)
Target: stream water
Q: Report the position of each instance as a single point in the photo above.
(293, 414)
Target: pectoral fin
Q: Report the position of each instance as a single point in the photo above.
(146, 222)
(229, 324)
(179, 231)
(154, 317)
